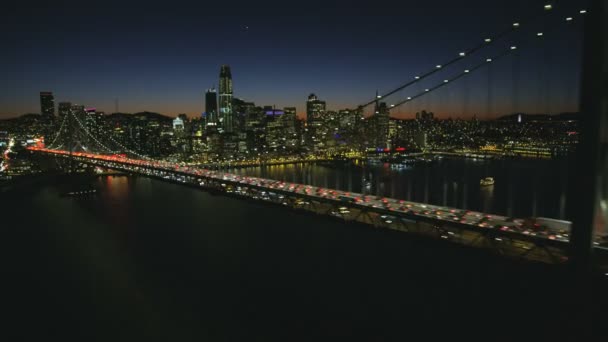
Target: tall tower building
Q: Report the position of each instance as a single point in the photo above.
(315, 109)
(211, 107)
(47, 104)
(381, 118)
(226, 114)
(290, 134)
(64, 108)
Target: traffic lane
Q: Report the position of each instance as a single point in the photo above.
(425, 210)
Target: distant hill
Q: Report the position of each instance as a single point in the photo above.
(156, 116)
(143, 115)
(569, 116)
(24, 118)
(31, 116)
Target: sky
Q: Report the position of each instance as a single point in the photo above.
(161, 57)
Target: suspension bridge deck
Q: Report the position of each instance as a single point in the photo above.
(523, 238)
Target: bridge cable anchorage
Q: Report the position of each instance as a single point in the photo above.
(118, 143)
(456, 77)
(462, 55)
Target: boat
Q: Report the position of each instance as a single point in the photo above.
(81, 193)
(486, 181)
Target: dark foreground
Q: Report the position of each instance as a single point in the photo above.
(149, 261)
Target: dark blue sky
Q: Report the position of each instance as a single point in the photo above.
(161, 57)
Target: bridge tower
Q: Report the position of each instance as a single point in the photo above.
(589, 187)
(76, 138)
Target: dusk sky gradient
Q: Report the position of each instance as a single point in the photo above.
(162, 57)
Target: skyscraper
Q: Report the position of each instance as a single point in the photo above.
(211, 107)
(315, 110)
(290, 134)
(47, 104)
(93, 121)
(64, 108)
(226, 114)
(381, 117)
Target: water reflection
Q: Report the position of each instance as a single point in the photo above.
(487, 197)
(522, 187)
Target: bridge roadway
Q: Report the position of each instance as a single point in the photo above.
(512, 236)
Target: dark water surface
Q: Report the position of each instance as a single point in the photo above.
(150, 261)
(522, 188)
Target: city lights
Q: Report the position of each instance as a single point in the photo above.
(246, 171)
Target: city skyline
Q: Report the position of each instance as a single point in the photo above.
(276, 58)
(227, 171)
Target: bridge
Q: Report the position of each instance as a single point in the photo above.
(509, 236)
(79, 140)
